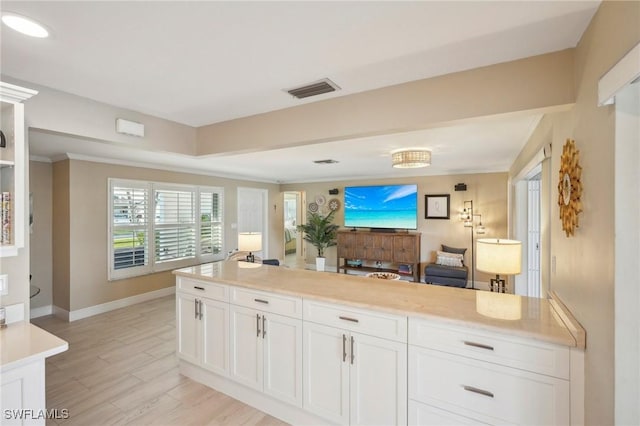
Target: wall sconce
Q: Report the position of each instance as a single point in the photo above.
(480, 230)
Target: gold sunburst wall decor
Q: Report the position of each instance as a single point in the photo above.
(570, 187)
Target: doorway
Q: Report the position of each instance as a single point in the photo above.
(530, 216)
(253, 215)
(293, 247)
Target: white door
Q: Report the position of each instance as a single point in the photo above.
(533, 237)
(215, 336)
(245, 341)
(326, 372)
(378, 381)
(188, 328)
(253, 214)
(282, 345)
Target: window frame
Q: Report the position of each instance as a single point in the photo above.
(154, 266)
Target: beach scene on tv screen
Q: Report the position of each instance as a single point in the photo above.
(389, 206)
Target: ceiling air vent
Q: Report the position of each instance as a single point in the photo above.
(327, 161)
(313, 89)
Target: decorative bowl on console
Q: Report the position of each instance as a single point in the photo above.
(383, 275)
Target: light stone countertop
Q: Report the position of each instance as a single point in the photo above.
(528, 317)
(22, 343)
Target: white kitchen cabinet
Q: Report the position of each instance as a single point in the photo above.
(188, 327)
(12, 167)
(354, 378)
(22, 374)
(266, 353)
(426, 415)
(326, 372)
(203, 332)
(462, 374)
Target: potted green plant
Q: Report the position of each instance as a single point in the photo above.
(320, 232)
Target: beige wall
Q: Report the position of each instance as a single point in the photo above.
(40, 178)
(584, 275)
(61, 236)
(479, 92)
(488, 192)
(88, 248)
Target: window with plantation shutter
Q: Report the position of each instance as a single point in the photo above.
(156, 227)
(129, 236)
(175, 225)
(211, 221)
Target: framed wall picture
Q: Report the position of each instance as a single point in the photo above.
(436, 206)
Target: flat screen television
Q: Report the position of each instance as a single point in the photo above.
(383, 206)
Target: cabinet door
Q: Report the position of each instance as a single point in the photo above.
(282, 346)
(378, 381)
(23, 388)
(404, 249)
(245, 342)
(188, 328)
(215, 336)
(347, 245)
(326, 372)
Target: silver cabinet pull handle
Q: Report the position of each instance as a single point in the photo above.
(478, 391)
(195, 301)
(198, 288)
(478, 345)
(353, 356)
(264, 326)
(257, 325)
(344, 347)
(200, 310)
(349, 319)
(266, 302)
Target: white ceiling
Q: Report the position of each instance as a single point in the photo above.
(199, 62)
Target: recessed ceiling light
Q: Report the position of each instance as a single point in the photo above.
(24, 25)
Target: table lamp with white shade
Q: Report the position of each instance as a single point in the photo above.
(250, 242)
(499, 256)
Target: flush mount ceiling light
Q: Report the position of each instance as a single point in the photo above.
(411, 158)
(24, 25)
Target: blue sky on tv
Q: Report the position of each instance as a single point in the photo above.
(386, 197)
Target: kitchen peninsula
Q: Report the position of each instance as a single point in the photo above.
(311, 347)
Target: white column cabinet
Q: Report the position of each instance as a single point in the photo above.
(326, 372)
(203, 332)
(246, 347)
(266, 353)
(353, 378)
(378, 381)
(215, 336)
(188, 327)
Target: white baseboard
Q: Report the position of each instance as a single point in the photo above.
(113, 305)
(41, 311)
(14, 313)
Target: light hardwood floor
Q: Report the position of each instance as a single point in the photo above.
(121, 368)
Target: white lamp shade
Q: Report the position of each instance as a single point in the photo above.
(250, 241)
(498, 256)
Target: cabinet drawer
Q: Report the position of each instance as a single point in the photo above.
(425, 415)
(206, 289)
(538, 357)
(267, 302)
(386, 326)
(482, 390)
